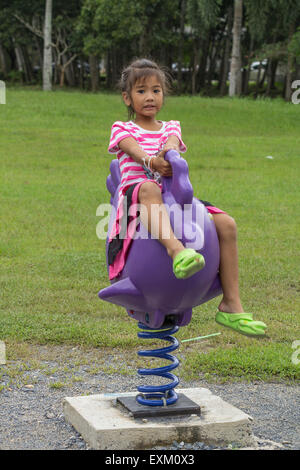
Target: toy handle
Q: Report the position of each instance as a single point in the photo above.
(179, 183)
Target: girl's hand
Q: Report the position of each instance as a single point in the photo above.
(168, 146)
(161, 165)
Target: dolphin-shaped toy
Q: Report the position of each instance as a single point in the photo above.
(147, 287)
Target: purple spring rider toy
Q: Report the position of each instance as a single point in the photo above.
(147, 286)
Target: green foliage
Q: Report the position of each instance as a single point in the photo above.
(257, 22)
(113, 23)
(15, 76)
(118, 20)
(270, 23)
(11, 30)
(91, 38)
(202, 14)
(294, 46)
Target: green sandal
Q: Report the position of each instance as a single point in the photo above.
(241, 322)
(187, 263)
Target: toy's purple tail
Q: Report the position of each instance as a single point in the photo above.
(113, 180)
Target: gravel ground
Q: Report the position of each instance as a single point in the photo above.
(32, 393)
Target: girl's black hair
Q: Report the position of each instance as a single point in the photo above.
(140, 69)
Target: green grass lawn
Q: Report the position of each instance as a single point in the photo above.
(54, 164)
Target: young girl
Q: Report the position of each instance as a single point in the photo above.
(140, 145)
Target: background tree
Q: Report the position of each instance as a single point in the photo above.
(16, 44)
(227, 14)
(47, 64)
(235, 85)
(294, 49)
(201, 17)
(30, 18)
(273, 30)
(91, 38)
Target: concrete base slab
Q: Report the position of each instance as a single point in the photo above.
(2, 353)
(106, 425)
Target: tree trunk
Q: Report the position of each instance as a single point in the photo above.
(261, 84)
(268, 75)
(235, 66)
(81, 73)
(180, 47)
(39, 49)
(64, 67)
(246, 71)
(216, 51)
(19, 57)
(62, 76)
(47, 66)
(195, 63)
(27, 65)
(210, 61)
(145, 40)
(204, 46)
(55, 71)
(108, 68)
(69, 73)
(271, 71)
(94, 72)
(5, 61)
(258, 79)
(288, 82)
(114, 74)
(225, 65)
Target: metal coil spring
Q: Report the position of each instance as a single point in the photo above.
(159, 395)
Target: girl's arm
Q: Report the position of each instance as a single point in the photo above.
(171, 144)
(130, 146)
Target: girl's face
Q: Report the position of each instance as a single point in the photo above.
(146, 97)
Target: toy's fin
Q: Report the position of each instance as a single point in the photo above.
(123, 293)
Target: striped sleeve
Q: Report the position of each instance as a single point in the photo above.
(118, 133)
(174, 128)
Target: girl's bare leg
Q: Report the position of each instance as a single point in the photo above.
(155, 217)
(227, 234)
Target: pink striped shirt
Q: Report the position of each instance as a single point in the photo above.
(151, 142)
